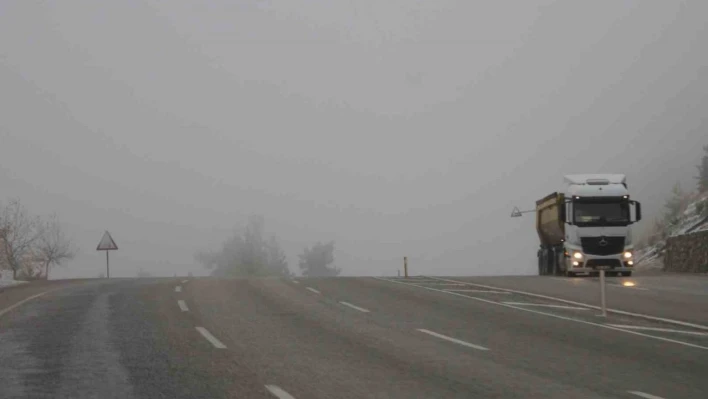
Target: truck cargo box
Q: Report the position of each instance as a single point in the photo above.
(549, 219)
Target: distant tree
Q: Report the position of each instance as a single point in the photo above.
(275, 258)
(19, 232)
(674, 205)
(703, 172)
(247, 254)
(53, 247)
(316, 261)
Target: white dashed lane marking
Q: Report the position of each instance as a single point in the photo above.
(645, 395)
(278, 392)
(354, 307)
(455, 340)
(212, 339)
(182, 305)
(313, 290)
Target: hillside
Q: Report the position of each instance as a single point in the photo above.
(693, 218)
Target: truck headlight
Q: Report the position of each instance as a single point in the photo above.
(627, 255)
(578, 255)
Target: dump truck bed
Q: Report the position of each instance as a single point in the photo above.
(549, 225)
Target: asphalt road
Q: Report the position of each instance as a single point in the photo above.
(674, 296)
(331, 338)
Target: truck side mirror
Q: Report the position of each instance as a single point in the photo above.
(638, 210)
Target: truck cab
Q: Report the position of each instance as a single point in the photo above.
(598, 214)
(587, 227)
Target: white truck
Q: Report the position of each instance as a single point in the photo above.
(587, 227)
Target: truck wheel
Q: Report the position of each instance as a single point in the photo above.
(540, 264)
(559, 260)
(569, 274)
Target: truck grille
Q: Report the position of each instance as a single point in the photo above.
(603, 262)
(602, 245)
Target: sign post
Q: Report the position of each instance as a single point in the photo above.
(107, 244)
(405, 266)
(603, 299)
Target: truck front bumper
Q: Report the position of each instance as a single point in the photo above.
(588, 270)
(593, 264)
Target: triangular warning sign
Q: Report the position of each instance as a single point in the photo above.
(515, 213)
(107, 243)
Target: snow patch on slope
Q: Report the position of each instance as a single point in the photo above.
(693, 219)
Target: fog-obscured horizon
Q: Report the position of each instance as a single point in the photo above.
(395, 128)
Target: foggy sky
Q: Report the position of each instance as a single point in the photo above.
(395, 127)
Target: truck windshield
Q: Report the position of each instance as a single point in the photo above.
(601, 213)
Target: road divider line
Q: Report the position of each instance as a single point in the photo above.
(278, 392)
(645, 395)
(206, 334)
(313, 290)
(480, 291)
(545, 305)
(355, 307)
(178, 288)
(474, 298)
(457, 341)
(659, 329)
(616, 311)
(185, 281)
(439, 283)
(183, 305)
(13, 306)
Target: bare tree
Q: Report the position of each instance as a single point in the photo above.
(53, 247)
(19, 232)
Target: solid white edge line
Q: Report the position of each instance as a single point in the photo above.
(15, 305)
(439, 283)
(313, 290)
(178, 289)
(658, 329)
(481, 291)
(206, 334)
(545, 305)
(278, 392)
(457, 341)
(617, 311)
(553, 315)
(645, 395)
(182, 305)
(354, 307)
